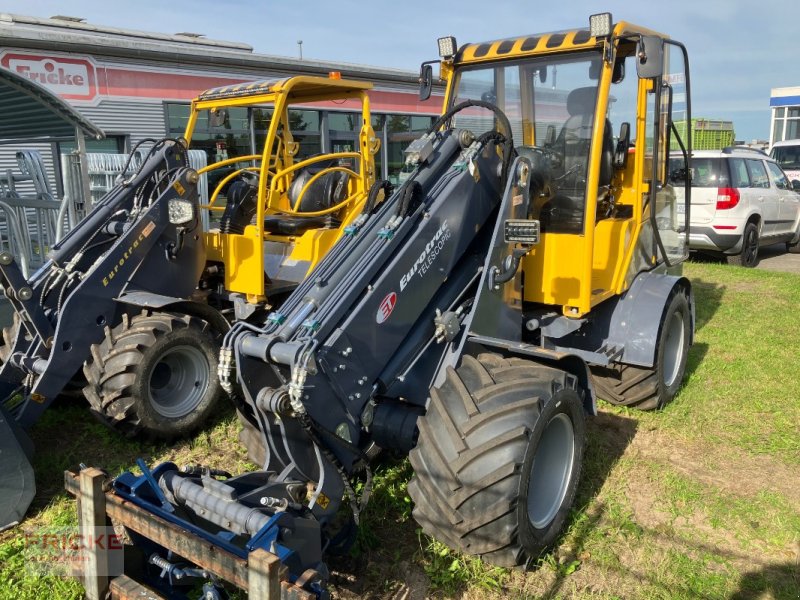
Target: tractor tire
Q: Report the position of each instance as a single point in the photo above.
(498, 458)
(651, 388)
(748, 255)
(154, 375)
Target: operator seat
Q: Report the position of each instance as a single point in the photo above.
(566, 208)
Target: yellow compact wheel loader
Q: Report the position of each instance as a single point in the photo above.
(529, 264)
(135, 301)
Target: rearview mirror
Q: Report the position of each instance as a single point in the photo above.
(650, 57)
(550, 136)
(619, 70)
(425, 81)
(217, 117)
(796, 185)
(623, 145)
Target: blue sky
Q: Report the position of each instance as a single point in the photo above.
(738, 49)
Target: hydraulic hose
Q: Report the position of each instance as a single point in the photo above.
(508, 143)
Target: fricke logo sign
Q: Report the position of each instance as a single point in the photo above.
(70, 78)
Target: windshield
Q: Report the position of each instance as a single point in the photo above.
(787, 157)
(550, 104)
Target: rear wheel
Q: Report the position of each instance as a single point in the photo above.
(498, 458)
(748, 255)
(651, 388)
(154, 374)
(793, 248)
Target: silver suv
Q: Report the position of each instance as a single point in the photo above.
(741, 201)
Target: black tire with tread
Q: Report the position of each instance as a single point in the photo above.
(644, 388)
(473, 461)
(748, 255)
(119, 368)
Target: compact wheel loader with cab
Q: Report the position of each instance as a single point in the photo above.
(530, 263)
(134, 302)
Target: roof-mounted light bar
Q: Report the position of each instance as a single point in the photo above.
(600, 25)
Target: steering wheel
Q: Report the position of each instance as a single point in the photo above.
(225, 163)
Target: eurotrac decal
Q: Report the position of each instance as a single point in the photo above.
(148, 229)
(428, 255)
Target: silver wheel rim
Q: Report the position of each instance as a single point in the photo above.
(673, 348)
(178, 381)
(551, 471)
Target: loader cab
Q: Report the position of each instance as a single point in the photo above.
(278, 206)
(597, 114)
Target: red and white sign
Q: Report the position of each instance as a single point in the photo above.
(81, 79)
(70, 78)
(386, 307)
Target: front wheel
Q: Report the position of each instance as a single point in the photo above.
(155, 374)
(498, 459)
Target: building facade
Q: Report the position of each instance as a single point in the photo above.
(137, 85)
(785, 123)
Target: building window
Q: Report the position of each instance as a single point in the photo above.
(230, 139)
(344, 129)
(305, 128)
(785, 123)
(309, 128)
(114, 144)
(401, 130)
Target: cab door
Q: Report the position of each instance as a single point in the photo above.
(673, 108)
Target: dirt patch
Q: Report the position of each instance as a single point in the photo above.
(375, 577)
(730, 470)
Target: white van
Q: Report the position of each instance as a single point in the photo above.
(787, 155)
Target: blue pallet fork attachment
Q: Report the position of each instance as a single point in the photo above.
(182, 548)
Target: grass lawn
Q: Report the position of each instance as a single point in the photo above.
(701, 500)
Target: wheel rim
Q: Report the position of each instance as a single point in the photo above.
(751, 247)
(551, 471)
(673, 348)
(178, 381)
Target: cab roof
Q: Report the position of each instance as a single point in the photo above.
(543, 43)
(298, 89)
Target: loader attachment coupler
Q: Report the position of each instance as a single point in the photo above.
(236, 514)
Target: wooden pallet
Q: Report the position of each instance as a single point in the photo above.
(261, 575)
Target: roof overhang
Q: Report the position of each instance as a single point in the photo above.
(30, 112)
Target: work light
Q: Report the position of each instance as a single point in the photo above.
(180, 211)
(447, 47)
(600, 25)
